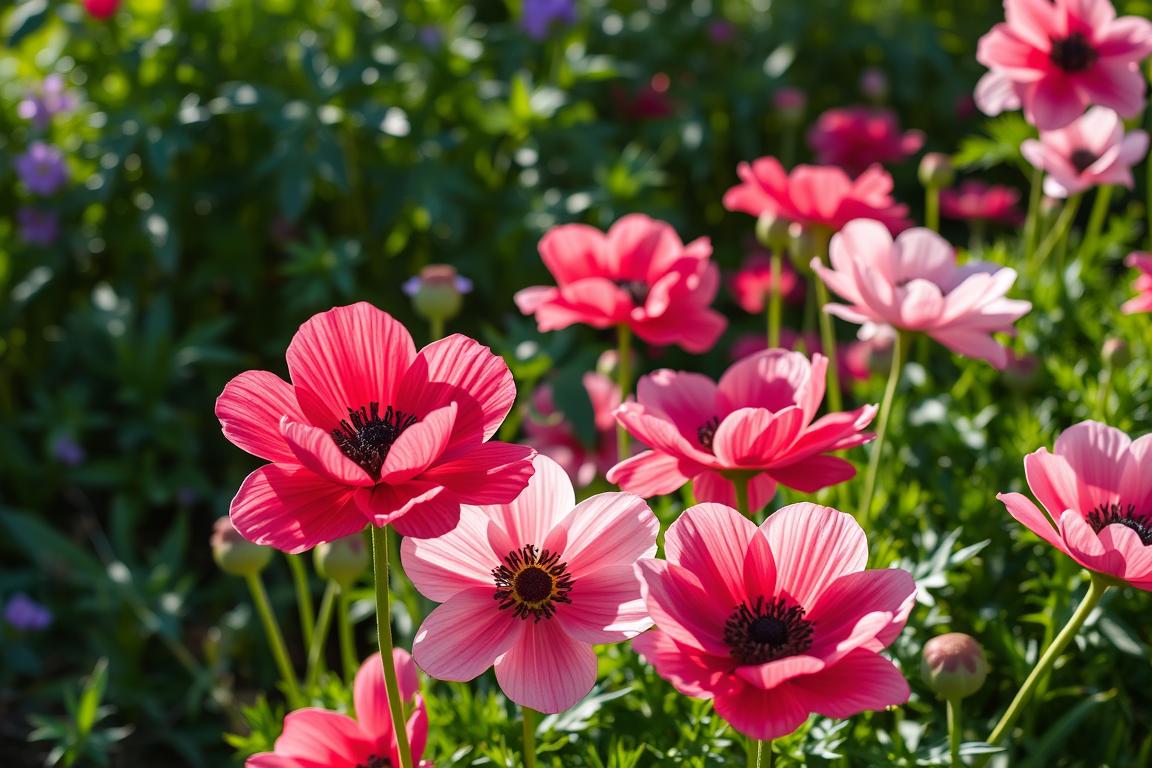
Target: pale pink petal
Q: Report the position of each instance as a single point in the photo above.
(250, 409)
(419, 445)
(711, 541)
(293, 509)
(532, 300)
(531, 516)
(861, 681)
(458, 560)
(608, 529)
(1097, 454)
(1136, 481)
(690, 671)
(813, 547)
(446, 653)
(1085, 547)
(1137, 555)
(606, 606)
(1052, 481)
(996, 93)
(682, 608)
(1034, 20)
(975, 344)
(761, 714)
(315, 449)
(921, 304)
(771, 379)
(649, 474)
(546, 670)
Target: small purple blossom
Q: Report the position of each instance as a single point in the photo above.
(539, 16)
(26, 615)
(721, 31)
(49, 99)
(67, 451)
(42, 169)
(431, 37)
(38, 226)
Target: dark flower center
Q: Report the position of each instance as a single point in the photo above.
(366, 436)
(1111, 514)
(1073, 53)
(707, 431)
(637, 290)
(767, 630)
(1081, 159)
(531, 582)
(376, 762)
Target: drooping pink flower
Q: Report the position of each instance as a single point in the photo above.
(777, 621)
(819, 196)
(639, 274)
(1055, 58)
(854, 358)
(1142, 285)
(550, 432)
(529, 587)
(759, 422)
(856, 137)
(976, 201)
(321, 738)
(1096, 492)
(751, 285)
(370, 431)
(915, 284)
(1091, 151)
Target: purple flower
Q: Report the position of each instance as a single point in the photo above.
(539, 16)
(51, 98)
(26, 615)
(42, 169)
(67, 451)
(38, 226)
(431, 37)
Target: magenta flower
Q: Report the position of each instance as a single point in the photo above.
(817, 196)
(51, 98)
(915, 284)
(529, 587)
(1090, 151)
(639, 274)
(1055, 58)
(856, 137)
(777, 621)
(320, 738)
(1142, 285)
(550, 432)
(42, 169)
(751, 285)
(370, 431)
(759, 422)
(1096, 490)
(976, 201)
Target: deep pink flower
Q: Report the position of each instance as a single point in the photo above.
(751, 285)
(639, 274)
(855, 358)
(759, 421)
(856, 137)
(550, 432)
(1142, 285)
(1096, 490)
(815, 195)
(321, 738)
(976, 201)
(101, 9)
(529, 587)
(370, 431)
(915, 284)
(776, 622)
(1055, 58)
(1090, 151)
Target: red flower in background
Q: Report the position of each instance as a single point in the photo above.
(856, 137)
(1143, 284)
(751, 285)
(101, 9)
(976, 201)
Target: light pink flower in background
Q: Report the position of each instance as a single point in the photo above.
(1142, 285)
(637, 274)
(751, 285)
(1096, 492)
(856, 137)
(529, 587)
(976, 201)
(774, 622)
(321, 738)
(370, 431)
(1056, 58)
(550, 431)
(759, 421)
(1091, 151)
(915, 284)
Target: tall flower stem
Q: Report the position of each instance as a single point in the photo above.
(1058, 232)
(275, 640)
(320, 636)
(384, 636)
(955, 730)
(761, 756)
(528, 716)
(1096, 222)
(1032, 223)
(828, 341)
(740, 483)
(932, 207)
(774, 297)
(898, 352)
(624, 382)
(436, 329)
(303, 597)
(347, 641)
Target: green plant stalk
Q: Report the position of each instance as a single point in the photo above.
(435, 329)
(528, 716)
(740, 483)
(976, 235)
(320, 636)
(932, 207)
(275, 640)
(1032, 223)
(761, 756)
(384, 636)
(774, 297)
(624, 382)
(954, 731)
(828, 341)
(1059, 231)
(347, 642)
(1095, 223)
(898, 351)
(303, 597)
(1103, 393)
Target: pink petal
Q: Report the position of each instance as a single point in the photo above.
(608, 529)
(663, 435)
(688, 670)
(370, 694)
(418, 446)
(573, 252)
(419, 509)
(682, 608)
(813, 473)
(813, 547)
(772, 379)
(293, 509)
(534, 299)
(711, 541)
(774, 673)
(417, 728)
(1136, 481)
(488, 473)
(1033, 20)
(759, 570)
(464, 636)
(460, 559)
(546, 670)
(272, 760)
(1053, 482)
(693, 328)
(1051, 103)
(1137, 555)
(975, 344)
(1030, 516)
(314, 448)
(649, 474)
(840, 610)
(322, 737)
(1129, 37)
(761, 714)
(531, 516)
(606, 606)
(250, 409)
(1085, 547)
(755, 437)
(921, 304)
(861, 681)
(688, 400)
(714, 487)
(1097, 455)
(1115, 84)
(638, 245)
(996, 93)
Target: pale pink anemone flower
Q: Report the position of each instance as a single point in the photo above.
(370, 431)
(915, 284)
(638, 274)
(1091, 151)
(777, 621)
(1142, 285)
(816, 196)
(321, 738)
(751, 285)
(552, 433)
(856, 137)
(759, 423)
(1055, 58)
(1096, 490)
(529, 587)
(976, 201)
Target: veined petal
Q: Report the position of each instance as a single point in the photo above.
(250, 409)
(293, 509)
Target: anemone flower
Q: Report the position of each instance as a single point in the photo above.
(1090, 151)
(976, 201)
(854, 138)
(552, 433)
(1142, 302)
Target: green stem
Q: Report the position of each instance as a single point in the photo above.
(320, 636)
(303, 596)
(1095, 223)
(384, 636)
(347, 641)
(1032, 223)
(1058, 232)
(740, 482)
(954, 731)
(275, 640)
(761, 756)
(774, 298)
(976, 235)
(828, 341)
(624, 382)
(436, 329)
(882, 427)
(529, 718)
(932, 207)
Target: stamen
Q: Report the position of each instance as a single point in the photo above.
(637, 290)
(366, 436)
(1082, 159)
(1073, 53)
(707, 431)
(376, 762)
(1116, 514)
(767, 630)
(531, 582)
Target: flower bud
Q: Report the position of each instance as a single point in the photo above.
(953, 665)
(790, 103)
(437, 292)
(342, 561)
(772, 231)
(235, 554)
(936, 170)
(1116, 353)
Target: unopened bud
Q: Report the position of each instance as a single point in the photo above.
(772, 231)
(1116, 353)
(235, 554)
(438, 291)
(936, 170)
(953, 665)
(342, 561)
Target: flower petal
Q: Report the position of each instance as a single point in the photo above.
(1030, 516)
(531, 516)
(608, 529)
(316, 450)
(445, 652)
(711, 541)
(460, 559)
(761, 714)
(370, 694)
(419, 445)
(419, 509)
(690, 671)
(861, 681)
(546, 670)
(813, 546)
(322, 737)
(489, 473)
(682, 608)
(293, 509)
(606, 606)
(840, 610)
(250, 409)
(649, 474)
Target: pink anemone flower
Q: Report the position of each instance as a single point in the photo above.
(1090, 151)
(320, 738)
(1096, 490)
(550, 432)
(856, 137)
(777, 621)
(1142, 285)
(816, 196)
(1055, 58)
(751, 285)
(529, 587)
(976, 201)
(758, 423)
(639, 274)
(915, 284)
(370, 431)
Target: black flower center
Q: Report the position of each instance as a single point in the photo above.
(531, 582)
(707, 431)
(366, 436)
(1073, 53)
(767, 630)
(1111, 514)
(637, 290)
(1081, 159)
(376, 762)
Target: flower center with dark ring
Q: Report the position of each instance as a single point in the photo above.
(1082, 159)
(366, 436)
(1116, 514)
(376, 762)
(767, 630)
(1073, 53)
(532, 582)
(637, 290)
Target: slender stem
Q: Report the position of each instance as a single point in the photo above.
(976, 235)
(1095, 222)
(529, 719)
(320, 636)
(882, 427)
(1103, 393)
(1058, 232)
(828, 341)
(774, 297)
(932, 207)
(303, 596)
(384, 636)
(347, 641)
(761, 756)
(740, 482)
(436, 329)
(624, 382)
(954, 731)
(1032, 223)
(275, 640)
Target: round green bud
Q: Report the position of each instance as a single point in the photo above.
(953, 665)
(342, 561)
(235, 554)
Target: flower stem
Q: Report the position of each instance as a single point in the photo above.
(624, 382)
(898, 352)
(774, 296)
(932, 207)
(828, 341)
(384, 636)
(435, 329)
(954, 731)
(529, 719)
(1096, 222)
(740, 482)
(761, 756)
(347, 642)
(275, 640)
(1032, 223)
(320, 636)
(303, 596)
(1058, 232)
